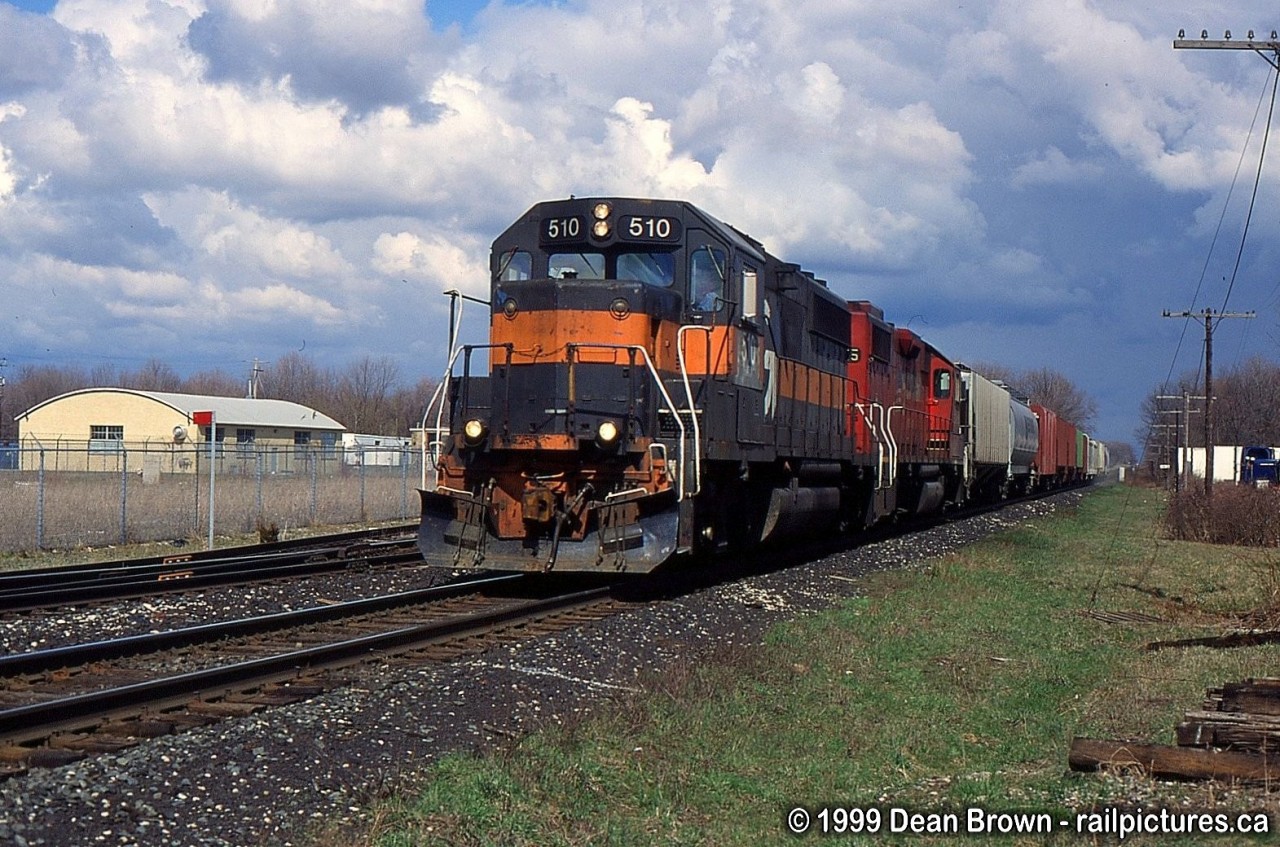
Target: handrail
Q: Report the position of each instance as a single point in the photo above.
(693, 412)
(435, 446)
(432, 448)
(893, 442)
(865, 410)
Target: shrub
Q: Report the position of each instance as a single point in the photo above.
(1237, 514)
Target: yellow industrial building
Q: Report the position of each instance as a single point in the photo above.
(109, 429)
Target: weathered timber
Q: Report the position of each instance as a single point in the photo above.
(1238, 730)
(1244, 738)
(1231, 639)
(1168, 762)
(1255, 696)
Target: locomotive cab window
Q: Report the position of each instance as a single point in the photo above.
(576, 266)
(941, 384)
(514, 265)
(656, 269)
(706, 279)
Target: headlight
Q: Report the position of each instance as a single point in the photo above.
(474, 431)
(601, 211)
(600, 229)
(607, 434)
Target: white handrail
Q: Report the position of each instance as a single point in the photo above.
(693, 412)
(435, 445)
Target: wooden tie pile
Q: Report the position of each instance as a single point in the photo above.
(1235, 737)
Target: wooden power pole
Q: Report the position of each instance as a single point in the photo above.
(1208, 316)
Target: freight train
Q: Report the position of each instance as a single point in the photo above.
(656, 383)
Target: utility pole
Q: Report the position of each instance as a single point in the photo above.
(1183, 472)
(1262, 47)
(1208, 316)
(254, 376)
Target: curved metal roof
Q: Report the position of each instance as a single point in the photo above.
(230, 411)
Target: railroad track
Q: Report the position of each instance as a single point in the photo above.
(48, 587)
(62, 705)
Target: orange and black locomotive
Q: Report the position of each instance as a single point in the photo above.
(655, 382)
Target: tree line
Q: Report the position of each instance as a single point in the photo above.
(1246, 409)
(369, 395)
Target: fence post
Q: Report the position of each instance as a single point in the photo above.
(405, 458)
(363, 457)
(40, 504)
(124, 495)
(257, 478)
(311, 461)
(195, 512)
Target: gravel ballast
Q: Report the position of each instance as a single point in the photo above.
(274, 777)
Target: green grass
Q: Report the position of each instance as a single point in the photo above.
(957, 687)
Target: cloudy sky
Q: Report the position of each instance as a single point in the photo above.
(1029, 182)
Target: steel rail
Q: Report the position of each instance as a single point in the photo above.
(32, 722)
(342, 540)
(40, 661)
(53, 587)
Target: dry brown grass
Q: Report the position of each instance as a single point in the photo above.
(91, 510)
(1236, 514)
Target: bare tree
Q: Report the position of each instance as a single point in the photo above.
(154, 375)
(1247, 404)
(217, 383)
(363, 394)
(1047, 387)
(408, 405)
(33, 384)
(296, 377)
(1053, 390)
(1120, 452)
(104, 375)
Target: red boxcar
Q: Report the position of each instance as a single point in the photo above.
(1056, 459)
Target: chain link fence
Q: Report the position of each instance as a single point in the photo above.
(79, 495)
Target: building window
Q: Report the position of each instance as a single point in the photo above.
(105, 438)
(245, 439)
(221, 436)
(301, 443)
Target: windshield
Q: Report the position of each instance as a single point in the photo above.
(576, 266)
(657, 269)
(515, 265)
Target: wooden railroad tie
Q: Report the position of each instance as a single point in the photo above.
(1234, 737)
